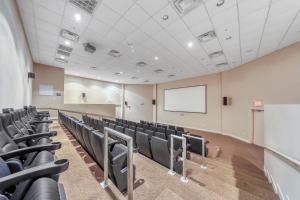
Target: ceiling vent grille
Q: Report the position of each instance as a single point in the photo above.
(64, 53)
(69, 35)
(61, 60)
(158, 71)
(216, 54)
(64, 48)
(207, 36)
(114, 53)
(141, 64)
(87, 5)
(185, 6)
(171, 75)
(225, 64)
(134, 77)
(118, 73)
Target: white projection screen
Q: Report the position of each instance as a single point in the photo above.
(186, 99)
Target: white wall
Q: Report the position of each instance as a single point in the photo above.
(15, 59)
(282, 130)
(284, 178)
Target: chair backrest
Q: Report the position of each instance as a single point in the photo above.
(140, 129)
(143, 144)
(111, 125)
(160, 129)
(150, 133)
(179, 129)
(172, 127)
(160, 135)
(120, 129)
(160, 151)
(132, 127)
(170, 132)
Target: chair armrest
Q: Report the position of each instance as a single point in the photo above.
(41, 122)
(34, 136)
(48, 169)
(46, 147)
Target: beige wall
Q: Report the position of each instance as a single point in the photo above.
(97, 92)
(210, 121)
(139, 99)
(273, 79)
(15, 59)
(48, 75)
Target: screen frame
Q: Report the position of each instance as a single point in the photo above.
(205, 86)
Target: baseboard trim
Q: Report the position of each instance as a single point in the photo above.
(237, 137)
(212, 131)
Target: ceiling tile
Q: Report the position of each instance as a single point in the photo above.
(151, 27)
(106, 15)
(124, 26)
(119, 6)
(136, 15)
(153, 6)
(47, 15)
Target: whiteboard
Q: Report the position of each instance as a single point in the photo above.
(185, 99)
(282, 129)
(46, 90)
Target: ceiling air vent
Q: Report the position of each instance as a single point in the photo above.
(69, 35)
(118, 73)
(141, 64)
(207, 36)
(158, 71)
(185, 6)
(134, 77)
(64, 53)
(216, 54)
(65, 48)
(89, 48)
(146, 81)
(222, 64)
(61, 60)
(114, 53)
(87, 5)
(171, 75)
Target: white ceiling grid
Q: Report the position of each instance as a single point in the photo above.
(245, 30)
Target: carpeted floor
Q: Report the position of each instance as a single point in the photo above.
(223, 179)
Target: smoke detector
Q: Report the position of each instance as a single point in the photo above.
(185, 6)
(89, 47)
(216, 54)
(69, 35)
(141, 64)
(210, 35)
(86, 5)
(114, 53)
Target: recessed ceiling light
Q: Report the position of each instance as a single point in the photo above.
(117, 81)
(220, 3)
(228, 37)
(62, 57)
(67, 43)
(205, 37)
(190, 44)
(156, 58)
(165, 17)
(225, 64)
(171, 75)
(141, 64)
(134, 77)
(216, 54)
(77, 17)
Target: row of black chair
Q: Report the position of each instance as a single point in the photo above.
(152, 142)
(90, 136)
(28, 166)
(158, 130)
